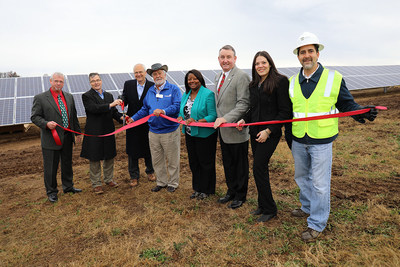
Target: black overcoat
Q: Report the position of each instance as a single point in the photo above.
(137, 139)
(99, 120)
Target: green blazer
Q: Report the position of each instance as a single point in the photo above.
(203, 108)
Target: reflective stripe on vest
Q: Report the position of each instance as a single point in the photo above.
(321, 102)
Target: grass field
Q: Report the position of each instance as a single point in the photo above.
(136, 227)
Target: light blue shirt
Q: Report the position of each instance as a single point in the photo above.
(101, 95)
(140, 89)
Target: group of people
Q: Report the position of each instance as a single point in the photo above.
(269, 96)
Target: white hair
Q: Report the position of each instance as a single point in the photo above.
(56, 74)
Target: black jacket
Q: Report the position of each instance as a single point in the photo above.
(99, 120)
(268, 107)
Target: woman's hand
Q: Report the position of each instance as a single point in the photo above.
(263, 135)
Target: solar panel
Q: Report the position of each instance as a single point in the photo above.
(23, 110)
(29, 86)
(80, 109)
(78, 83)
(17, 93)
(7, 87)
(108, 83)
(6, 111)
(176, 77)
(209, 76)
(120, 79)
(46, 83)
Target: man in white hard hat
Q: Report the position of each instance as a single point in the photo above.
(316, 91)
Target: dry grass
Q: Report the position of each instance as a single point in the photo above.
(126, 227)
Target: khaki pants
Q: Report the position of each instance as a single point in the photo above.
(95, 171)
(165, 154)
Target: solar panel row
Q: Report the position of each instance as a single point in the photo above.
(16, 94)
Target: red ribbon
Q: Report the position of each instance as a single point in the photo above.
(211, 124)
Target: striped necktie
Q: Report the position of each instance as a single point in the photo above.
(221, 83)
(63, 112)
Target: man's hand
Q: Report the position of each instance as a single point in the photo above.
(218, 122)
(116, 103)
(239, 127)
(158, 111)
(370, 115)
(51, 125)
(179, 119)
(128, 120)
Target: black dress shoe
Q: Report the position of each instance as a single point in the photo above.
(225, 199)
(235, 204)
(202, 196)
(194, 195)
(266, 217)
(171, 189)
(256, 212)
(53, 198)
(157, 188)
(73, 190)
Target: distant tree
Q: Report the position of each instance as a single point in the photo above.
(8, 74)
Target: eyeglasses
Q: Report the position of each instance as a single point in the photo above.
(95, 81)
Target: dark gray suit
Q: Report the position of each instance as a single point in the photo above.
(45, 109)
(232, 103)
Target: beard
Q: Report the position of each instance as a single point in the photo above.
(159, 82)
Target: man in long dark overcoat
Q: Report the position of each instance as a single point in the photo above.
(137, 139)
(100, 108)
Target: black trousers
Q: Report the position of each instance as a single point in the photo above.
(201, 153)
(133, 166)
(236, 167)
(51, 158)
(262, 153)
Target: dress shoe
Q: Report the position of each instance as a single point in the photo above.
(112, 184)
(266, 217)
(202, 196)
(151, 177)
(73, 190)
(157, 188)
(256, 212)
(53, 198)
(194, 195)
(134, 182)
(98, 190)
(225, 199)
(171, 189)
(236, 204)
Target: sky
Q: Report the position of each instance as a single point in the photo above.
(78, 37)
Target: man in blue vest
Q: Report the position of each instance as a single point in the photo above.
(316, 91)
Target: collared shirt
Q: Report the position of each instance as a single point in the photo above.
(101, 95)
(226, 76)
(140, 88)
(160, 88)
(55, 96)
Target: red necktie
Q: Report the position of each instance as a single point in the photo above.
(222, 82)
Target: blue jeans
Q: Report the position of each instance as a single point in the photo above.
(313, 164)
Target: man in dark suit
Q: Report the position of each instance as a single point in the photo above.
(100, 112)
(49, 109)
(232, 99)
(137, 138)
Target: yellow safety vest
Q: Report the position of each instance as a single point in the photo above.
(321, 102)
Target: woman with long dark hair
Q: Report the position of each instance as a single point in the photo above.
(198, 105)
(269, 100)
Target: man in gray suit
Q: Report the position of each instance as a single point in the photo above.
(232, 100)
(49, 109)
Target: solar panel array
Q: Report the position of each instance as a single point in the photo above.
(16, 94)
